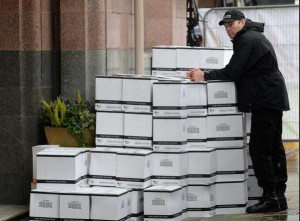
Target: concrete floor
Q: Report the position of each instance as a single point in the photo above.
(20, 212)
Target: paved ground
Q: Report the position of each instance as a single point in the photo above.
(20, 212)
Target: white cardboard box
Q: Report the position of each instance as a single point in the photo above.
(184, 214)
(169, 99)
(225, 131)
(134, 168)
(103, 166)
(138, 130)
(254, 191)
(201, 200)
(169, 134)
(50, 174)
(231, 164)
(164, 60)
(84, 155)
(75, 204)
(108, 95)
(137, 94)
(35, 150)
(231, 197)
(109, 203)
(221, 97)
(109, 129)
(215, 58)
(196, 132)
(169, 168)
(163, 203)
(187, 58)
(196, 99)
(44, 205)
(202, 166)
(137, 202)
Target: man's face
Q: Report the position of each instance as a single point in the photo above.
(232, 28)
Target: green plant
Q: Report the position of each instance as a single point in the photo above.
(75, 115)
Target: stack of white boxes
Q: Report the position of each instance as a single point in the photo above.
(167, 148)
(170, 157)
(177, 60)
(226, 133)
(254, 191)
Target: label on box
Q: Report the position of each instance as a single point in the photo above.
(164, 112)
(109, 140)
(105, 105)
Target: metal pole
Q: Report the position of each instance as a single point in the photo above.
(139, 36)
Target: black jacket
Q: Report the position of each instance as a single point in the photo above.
(254, 68)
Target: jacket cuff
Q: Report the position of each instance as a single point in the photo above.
(206, 76)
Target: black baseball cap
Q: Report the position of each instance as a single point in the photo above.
(232, 15)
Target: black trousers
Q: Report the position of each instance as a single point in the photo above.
(267, 151)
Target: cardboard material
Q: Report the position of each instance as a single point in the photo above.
(75, 205)
(35, 150)
(164, 60)
(202, 166)
(138, 130)
(109, 203)
(163, 202)
(103, 166)
(221, 97)
(50, 174)
(187, 58)
(215, 58)
(169, 135)
(196, 132)
(231, 197)
(169, 99)
(134, 168)
(254, 191)
(109, 129)
(108, 94)
(169, 168)
(196, 99)
(231, 164)
(201, 200)
(44, 205)
(137, 94)
(225, 131)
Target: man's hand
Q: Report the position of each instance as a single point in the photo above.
(195, 75)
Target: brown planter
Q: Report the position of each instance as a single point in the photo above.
(61, 136)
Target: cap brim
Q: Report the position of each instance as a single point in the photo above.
(228, 20)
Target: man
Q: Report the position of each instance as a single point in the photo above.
(261, 90)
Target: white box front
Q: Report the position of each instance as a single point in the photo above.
(44, 204)
(109, 128)
(231, 193)
(74, 206)
(202, 166)
(169, 99)
(214, 58)
(103, 167)
(162, 200)
(231, 164)
(108, 95)
(196, 99)
(169, 134)
(221, 97)
(196, 132)
(225, 131)
(134, 168)
(164, 57)
(138, 130)
(137, 94)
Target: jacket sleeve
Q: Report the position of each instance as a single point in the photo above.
(238, 63)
